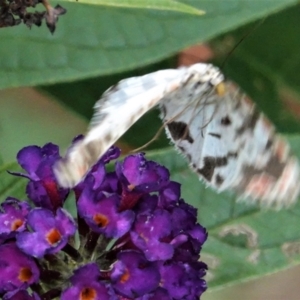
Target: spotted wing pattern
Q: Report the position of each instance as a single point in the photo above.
(117, 110)
(231, 145)
(226, 140)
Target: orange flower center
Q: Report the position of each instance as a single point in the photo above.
(16, 224)
(125, 276)
(25, 274)
(88, 294)
(131, 187)
(53, 236)
(100, 220)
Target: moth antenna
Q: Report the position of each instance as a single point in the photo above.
(159, 131)
(194, 114)
(251, 30)
(151, 141)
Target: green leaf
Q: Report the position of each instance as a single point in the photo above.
(98, 40)
(149, 4)
(11, 186)
(81, 95)
(267, 241)
(29, 118)
(266, 65)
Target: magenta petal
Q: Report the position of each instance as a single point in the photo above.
(12, 261)
(29, 158)
(86, 280)
(50, 232)
(133, 275)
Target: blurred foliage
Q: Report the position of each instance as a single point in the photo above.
(95, 46)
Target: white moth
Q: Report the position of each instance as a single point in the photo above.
(227, 141)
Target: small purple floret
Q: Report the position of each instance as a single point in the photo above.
(133, 275)
(182, 280)
(50, 232)
(16, 268)
(85, 284)
(102, 214)
(141, 175)
(42, 187)
(148, 234)
(13, 217)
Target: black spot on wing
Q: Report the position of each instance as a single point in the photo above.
(225, 121)
(216, 135)
(274, 168)
(252, 121)
(210, 163)
(219, 179)
(269, 144)
(232, 154)
(180, 131)
(221, 161)
(249, 123)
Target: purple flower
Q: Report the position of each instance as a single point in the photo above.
(16, 268)
(97, 175)
(42, 188)
(136, 238)
(111, 154)
(141, 175)
(13, 217)
(133, 275)
(50, 232)
(183, 280)
(101, 212)
(169, 194)
(86, 284)
(149, 232)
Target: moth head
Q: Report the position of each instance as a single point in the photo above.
(220, 89)
(207, 73)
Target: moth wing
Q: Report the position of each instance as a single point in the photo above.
(117, 110)
(250, 157)
(233, 146)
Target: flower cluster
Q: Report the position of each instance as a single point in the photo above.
(133, 237)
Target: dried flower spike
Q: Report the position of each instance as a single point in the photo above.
(14, 12)
(52, 14)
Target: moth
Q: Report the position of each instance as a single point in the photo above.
(227, 141)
